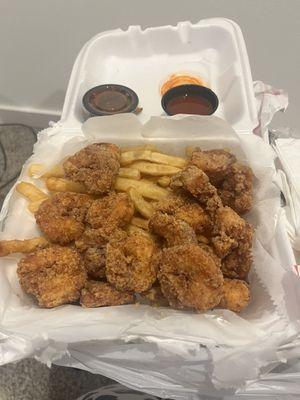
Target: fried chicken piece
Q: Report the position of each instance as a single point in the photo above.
(174, 231)
(196, 182)
(185, 208)
(213, 162)
(237, 187)
(101, 294)
(111, 211)
(61, 218)
(190, 277)
(95, 166)
(54, 276)
(236, 295)
(229, 230)
(129, 265)
(92, 245)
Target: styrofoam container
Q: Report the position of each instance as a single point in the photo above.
(142, 59)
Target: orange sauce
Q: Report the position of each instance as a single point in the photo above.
(181, 79)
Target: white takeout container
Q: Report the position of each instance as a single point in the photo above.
(141, 346)
(142, 59)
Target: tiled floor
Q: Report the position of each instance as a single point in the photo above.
(28, 379)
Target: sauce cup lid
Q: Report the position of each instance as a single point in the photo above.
(110, 99)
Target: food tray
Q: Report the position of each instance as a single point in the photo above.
(143, 59)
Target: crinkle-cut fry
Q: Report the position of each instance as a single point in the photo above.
(149, 168)
(39, 170)
(140, 223)
(164, 181)
(33, 206)
(129, 157)
(22, 246)
(144, 207)
(64, 185)
(132, 229)
(129, 173)
(145, 188)
(142, 147)
(30, 191)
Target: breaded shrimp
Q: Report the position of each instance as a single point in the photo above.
(174, 231)
(92, 246)
(129, 265)
(54, 276)
(95, 166)
(236, 190)
(190, 277)
(236, 295)
(61, 218)
(213, 162)
(110, 212)
(101, 294)
(196, 182)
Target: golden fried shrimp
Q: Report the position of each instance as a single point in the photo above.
(236, 190)
(129, 265)
(185, 208)
(236, 295)
(95, 166)
(213, 162)
(174, 231)
(196, 182)
(101, 294)
(54, 276)
(111, 211)
(229, 230)
(237, 263)
(190, 277)
(92, 246)
(61, 218)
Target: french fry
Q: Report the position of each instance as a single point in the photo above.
(149, 168)
(140, 223)
(149, 146)
(30, 191)
(39, 170)
(164, 181)
(33, 206)
(145, 188)
(130, 156)
(145, 208)
(21, 246)
(131, 230)
(129, 173)
(64, 185)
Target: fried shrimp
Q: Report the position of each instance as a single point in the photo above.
(101, 294)
(196, 182)
(54, 276)
(92, 246)
(189, 277)
(174, 231)
(213, 162)
(185, 208)
(61, 218)
(110, 212)
(129, 265)
(236, 295)
(237, 187)
(230, 230)
(95, 166)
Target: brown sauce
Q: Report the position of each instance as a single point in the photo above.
(109, 101)
(189, 104)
